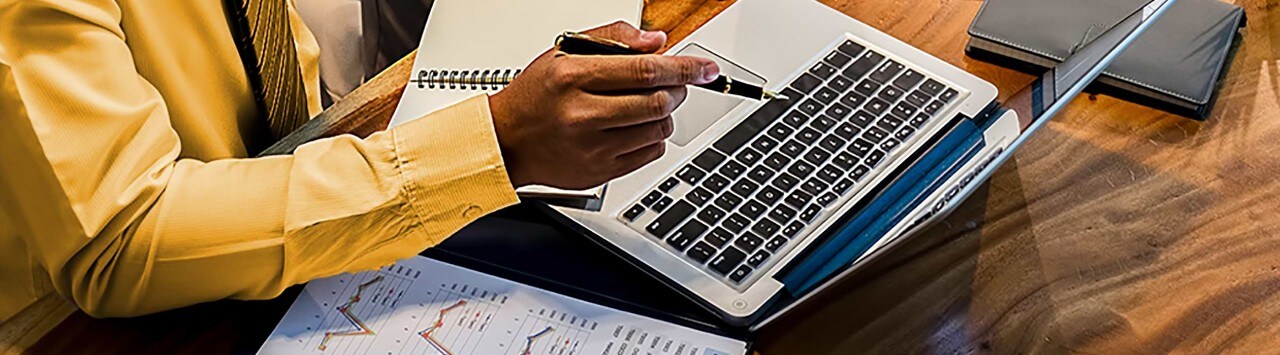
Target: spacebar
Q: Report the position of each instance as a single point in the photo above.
(758, 121)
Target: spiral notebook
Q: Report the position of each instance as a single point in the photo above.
(498, 37)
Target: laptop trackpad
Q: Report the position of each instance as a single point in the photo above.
(702, 108)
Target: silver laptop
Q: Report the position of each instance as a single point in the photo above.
(758, 206)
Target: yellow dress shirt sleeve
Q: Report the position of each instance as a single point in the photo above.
(124, 227)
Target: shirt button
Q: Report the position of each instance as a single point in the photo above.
(472, 211)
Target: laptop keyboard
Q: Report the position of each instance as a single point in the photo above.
(749, 196)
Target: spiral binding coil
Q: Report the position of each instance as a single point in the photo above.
(486, 79)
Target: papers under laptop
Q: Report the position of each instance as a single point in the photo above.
(466, 36)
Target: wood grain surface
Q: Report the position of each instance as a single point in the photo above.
(1116, 229)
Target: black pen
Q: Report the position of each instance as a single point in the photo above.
(578, 43)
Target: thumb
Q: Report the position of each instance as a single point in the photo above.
(643, 41)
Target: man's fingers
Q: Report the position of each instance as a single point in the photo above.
(629, 162)
(636, 107)
(643, 41)
(629, 139)
(631, 72)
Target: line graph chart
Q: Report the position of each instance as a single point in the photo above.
(355, 315)
(454, 320)
(552, 332)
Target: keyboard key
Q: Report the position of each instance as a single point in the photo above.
(862, 118)
(860, 147)
(875, 134)
(933, 107)
(886, 71)
(736, 223)
(903, 110)
(823, 123)
(669, 219)
(733, 169)
(932, 87)
(727, 202)
(865, 63)
(844, 160)
(808, 135)
(798, 199)
(948, 95)
(709, 160)
(758, 258)
(866, 87)
(805, 83)
(813, 186)
(842, 186)
(859, 172)
(840, 83)
(850, 48)
(756, 122)
(668, 184)
(810, 213)
(777, 161)
(718, 237)
(700, 252)
(760, 174)
(748, 242)
(846, 130)
(831, 143)
(908, 80)
(826, 199)
(785, 181)
(837, 59)
(782, 213)
(775, 243)
(662, 203)
(748, 156)
(716, 183)
(765, 228)
(811, 106)
(711, 215)
(792, 229)
(651, 198)
(830, 174)
(780, 131)
(822, 70)
(874, 158)
(801, 169)
(817, 156)
(727, 260)
(904, 133)
(794, 118)
(768, 195)
(699, 196)
(687, 235)
(876, 106)
(919, 120)
(691, 174)
(853, 99)
(740, 273)
(889, 123)
(890, 93)
(917, 98)
(752, 209)
(744, 187)
(838, 111)
(633, 212)
(826, 95)
(792, 148)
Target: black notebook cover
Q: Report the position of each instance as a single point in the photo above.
(1174, 66)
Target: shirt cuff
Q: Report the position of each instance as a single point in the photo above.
(452, 166)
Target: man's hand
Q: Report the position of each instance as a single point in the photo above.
(575, 122)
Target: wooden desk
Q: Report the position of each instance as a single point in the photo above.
(1117, 229)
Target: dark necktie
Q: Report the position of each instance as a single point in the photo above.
(262, 32)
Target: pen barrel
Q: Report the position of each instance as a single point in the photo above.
(725, 85)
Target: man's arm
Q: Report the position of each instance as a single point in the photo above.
(124, 227)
